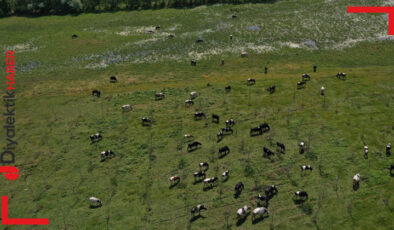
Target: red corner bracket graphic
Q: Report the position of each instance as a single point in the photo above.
(376, 9)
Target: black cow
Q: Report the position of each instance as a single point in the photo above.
(251, 81)
(95, 137)
(264, 199)
(271, 89)
(267, 152)
(239, 187)
(301, 195)
(281, 147)
(391, 169)
(199, 40)
(74, 36)
(228, 88)
(159, 96)
(199, 115)
(215, 118)
(314, 68)
(233, 16)
(341, 76)
(301, 84)
(196, 209)
(266, 70)
(193, 62)
(171, 36)
(227, 131)
(113, 79)
(193, 146)
(223, 151)
(146, 121)
(230, 122)
(256, 131)
(222, 61)
(306, 77)
(265, 127)
(96, 93)
(157, 27)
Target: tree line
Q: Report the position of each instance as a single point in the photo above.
(59, 7)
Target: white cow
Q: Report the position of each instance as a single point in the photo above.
(242, 212)
(260, 211)
(126, 108)
(95, 202)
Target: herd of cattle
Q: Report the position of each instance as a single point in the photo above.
(210, 182)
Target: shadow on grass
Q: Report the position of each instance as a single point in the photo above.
(356, 186)
(299, 201)
(194, 218)
(243, 219)
(259, 219)
(174, 184)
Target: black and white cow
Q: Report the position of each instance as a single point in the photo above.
(230, 122)
(215, 118)
(74, 36)
(241, 213)
(281, 147)
(306, 77)
(193, 146)
(302, 147)
(220, 136)
(159, 96)
(391, 169)
(322, 90)
(265, 127)
(271, 191)
(388, 149)
(96, 93)
(365, 152)
(188, 137)
(146, 121)
(271, 89)
(107, 154)
(174, 180)
(95, 202)
(341, 76)
(210, 182)
(189, 102)
(126, 108)
(113, 79)
(199, 115)
(199, 174)
(95, 137)
(301, 84)
(244, 54)
(193, 62)
(228, 88)
(251, 81)
(356, 179)
(227, 131)
(197, 209)
(301, 195)
(239, 187)
(256, 131)
(225, 174)
(204, 166)
(264, 199)
(193, 95)
(267, 152)
(306, 167)
(223, 151)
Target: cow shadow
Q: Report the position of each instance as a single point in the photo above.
(198, 181)
(225, 179)
(207, 188)
(173, 185)
(242, 220)
(257, 220)
(299, 201)
(237, 195)
(391, 173)
(194, 218)
(94, 206)
(356, 186)
(222, 156)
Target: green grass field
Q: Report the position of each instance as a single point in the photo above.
(56, 114)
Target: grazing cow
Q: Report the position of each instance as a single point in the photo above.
(301, 195)
(193, 95)
(159, 96)
(220, 136)
(244, 54)
(113, 79)
(193, 146)
(199, 115)
(223, 151)
(107, 154)
(222, 62)
(266, 70)
(189, 102)
(174, 179)
(146, 121)
(365, 152)
(265, 127)
(356, 179)
(74, 36)
(126, 108)
(271, 89)
(314, 68)
(302, 147)
(227, 131)
(210, 181)
(281, 147)
(271, 191)
(230, 122)
(231, 37)
(301, 84)
(241, 213)
(226, 174)
(193, 62)
(239, 187)
(196, 209)
(322, 90)
(171, 36)
(95, 137)
(233, 16)
(267, 152)
(251, 81)
(157, 27)
(199, 40)
(215, 118)
(256, 131)
(388, 149)
(150, 31)
(228, 88)
(199, 174)
(391, 169)
(306, 77)
(306, 167)
(188, 137)
(204, 166)
(341, 76)
(265, 199)
(260, 211)
(95, 202)
(96, 93)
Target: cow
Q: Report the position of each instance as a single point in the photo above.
(95, 137)
(171, 36)
(244, 54)
(314, 68)
(157, 27)
(196, 209)
(256, 131)
(241, 213)
(260, 211)
(271, 89)
(126, 108)
(391, 169)
(234, 16)
(188, 137)
(159, 96)
(95, 202)
(189, 102)
(146, 121)
(225, 174)
(301, 84)
(215, 118)
(174, 180)
(96, 93)
(280, 147)
(231, 37)
(193, 146)
(113, 79)
(388, 149)
(306, 167)
(341, 76)
(204, 166)
(265, 127)
(107, 154)
(230, 122)
(199, 115)
(302, 147)
(74, 36)
(301, 195)
(199, 40)
(239, 187)
(193, 62)
(227, 130)
(306, 77)
(356, 181)
(223, 151)
(150, 31)
(267, 152)
(365, 152)
(197, 175)
(222, 62)
(270, 191)
(228, 89)
(210, 182)
(220, 136)
(193, 95)
(322, 90)
(251, 81)
(266, 70)
(265, 199)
